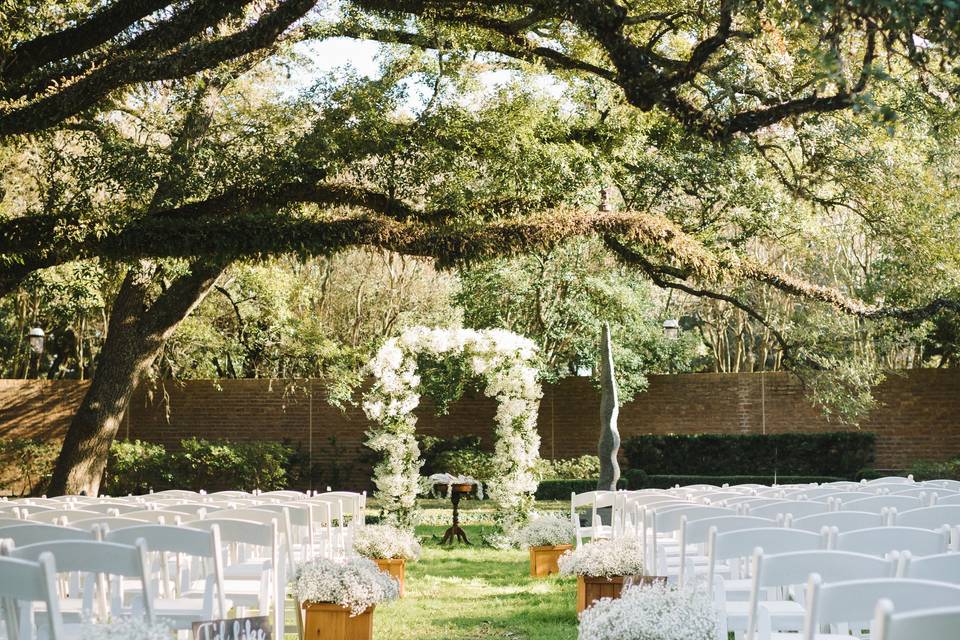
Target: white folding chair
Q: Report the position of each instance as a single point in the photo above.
(57, 516)
(794, 508)
(784, 577)
(254, 576)
(944, 567)
(99, 559)
(23, 583)
(839, 520)
(951, 498)
(877, 504)
(697, 533)
(668, 522)
(736, 548)
(105, 522)
(881, 541)
(889, 480)
(192, 549)
(847, 606)
(37, 532)
(925, 624)
(595, 500)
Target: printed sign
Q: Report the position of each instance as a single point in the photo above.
(233, 629)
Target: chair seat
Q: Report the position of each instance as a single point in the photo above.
(784, 613)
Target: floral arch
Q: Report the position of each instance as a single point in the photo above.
(504, 360)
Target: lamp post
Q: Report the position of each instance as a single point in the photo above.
(35, 340)
(671, 331)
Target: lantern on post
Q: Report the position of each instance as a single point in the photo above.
(671, 329)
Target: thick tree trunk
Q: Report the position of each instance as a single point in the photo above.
(136, 336)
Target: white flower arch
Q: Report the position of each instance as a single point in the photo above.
(504, 360)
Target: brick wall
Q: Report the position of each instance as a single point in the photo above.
(919, 416)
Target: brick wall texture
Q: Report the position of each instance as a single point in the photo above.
(918, 416)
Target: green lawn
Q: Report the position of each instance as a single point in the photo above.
(460, 592)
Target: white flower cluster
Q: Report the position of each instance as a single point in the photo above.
(383, 541)
(129, 628)
(546, 530)
(604, 558)
(354, 582)
(503, 359)
(651, 612)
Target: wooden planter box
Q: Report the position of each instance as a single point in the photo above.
(543, 560)
(326, 621)
(396, 567)
(593, 588)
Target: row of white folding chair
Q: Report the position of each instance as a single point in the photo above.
(23, 584)
(593, 502)
(102, 567)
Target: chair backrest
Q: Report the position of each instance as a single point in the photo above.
(879, 541)
(795, 508)
(30, 581)
(855, 601)
(848, 496)
(930, 517)
(36, 532)
(950, 498)
(876, 504)
(953, 485)
(890, 480)
(816, 493)
(944, 567)
(671, 519)
(96, 557)
(159, 517)
(938, 624)
(840, 520)
(106, 522)
(741, 543)
(54, 516)
(230, 494)
(842, 485)
(112, 508)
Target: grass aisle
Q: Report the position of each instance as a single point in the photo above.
(473, 592)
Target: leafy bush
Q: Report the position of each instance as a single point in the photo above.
(930, 470)
(27, 463)
(582, 468)
(466, 462)
(137, 467)
(432, 448)
(841, 454)
(561, 489)
(640, 480)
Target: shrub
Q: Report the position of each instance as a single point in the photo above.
(582, 468)
(432, 449)
(840, 454)
(640, 480)
(28, 463)
(561, 489)
(466, 462)
(137, 467)
(930, 470)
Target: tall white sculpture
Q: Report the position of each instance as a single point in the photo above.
(609, 409)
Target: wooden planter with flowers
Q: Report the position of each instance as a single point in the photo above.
(339, 597)
(593, 588)
(548, 538)
(543, 559)
(395, 567)
(328, 621)
(389, 547)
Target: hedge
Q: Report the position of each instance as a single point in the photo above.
(637, 479)
(561, 489)
(837, 454)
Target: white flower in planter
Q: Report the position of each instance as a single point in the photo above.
(356, 583)
(385, 542)
(604, 558)
(126, 629)
(651, 612)
(546, 530)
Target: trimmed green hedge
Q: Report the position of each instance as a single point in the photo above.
(837, 454)
(640, 480)
(561, 489)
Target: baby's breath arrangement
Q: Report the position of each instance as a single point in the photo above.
(354, 582)
(385, 542)
(651, 612)
(604, 558)
(129, 628)
(545, 530)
